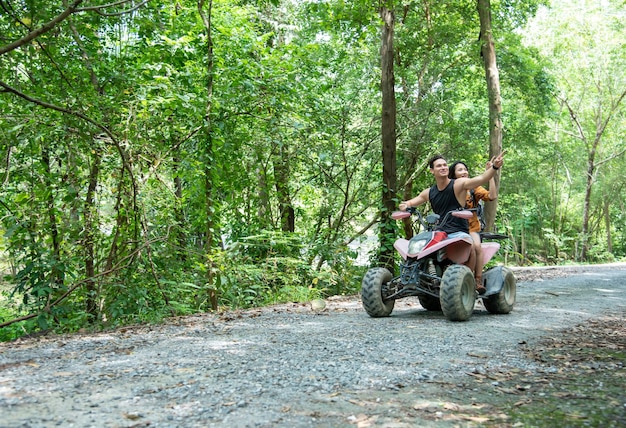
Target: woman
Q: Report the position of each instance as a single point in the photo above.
(459, 170)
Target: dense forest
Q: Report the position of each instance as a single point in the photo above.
(163, 158)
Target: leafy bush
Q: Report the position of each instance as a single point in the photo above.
(272, 267)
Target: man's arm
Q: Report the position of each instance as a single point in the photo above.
(420, 199)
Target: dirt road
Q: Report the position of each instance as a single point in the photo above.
(292, 366)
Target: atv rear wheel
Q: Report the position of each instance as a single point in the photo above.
(371, 293)
(432, 283)
(429, 303)
(503, 301)
(457, 293)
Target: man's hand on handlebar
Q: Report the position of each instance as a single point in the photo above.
(403, 206)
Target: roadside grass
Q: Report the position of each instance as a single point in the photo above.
(577, 381)
(583, 384)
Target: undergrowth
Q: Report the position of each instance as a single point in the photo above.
(266, 269)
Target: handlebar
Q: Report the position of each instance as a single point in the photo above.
(399, 215)
(432, 220)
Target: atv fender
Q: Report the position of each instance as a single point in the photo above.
(489, 249)
(493, 280)
(402, 246)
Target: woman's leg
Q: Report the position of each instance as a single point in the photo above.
(479, 265)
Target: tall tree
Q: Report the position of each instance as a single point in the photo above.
(492, 76)
(388, 131)
(588, 63)
(205, 12)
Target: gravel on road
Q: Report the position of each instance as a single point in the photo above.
(295, 365)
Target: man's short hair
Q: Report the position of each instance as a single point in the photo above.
(433, 159)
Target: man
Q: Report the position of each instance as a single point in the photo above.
(449, 194)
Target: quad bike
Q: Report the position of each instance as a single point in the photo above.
(432, 269)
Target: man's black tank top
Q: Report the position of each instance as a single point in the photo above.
(444, 201)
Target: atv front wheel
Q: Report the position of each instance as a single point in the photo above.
(371, 293)
(503, 301)
(457, 293)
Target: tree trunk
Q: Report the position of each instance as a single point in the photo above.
(281, 176)
(593, 148)
(607, 224)
(488, 53)
(53, 225)
(388, 128)
(90, 209)
(120, 221)
(585, 232)
(264, 212)
(180, 234)
(407, 224)
(208, 153)
(56, 272)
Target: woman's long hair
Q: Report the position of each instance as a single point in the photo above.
(452, 169)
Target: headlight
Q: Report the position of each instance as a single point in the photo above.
(417, 245)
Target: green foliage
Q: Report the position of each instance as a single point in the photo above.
(8, 311)
(152, 177)
(271, 267)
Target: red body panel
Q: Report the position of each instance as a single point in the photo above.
(457, 249)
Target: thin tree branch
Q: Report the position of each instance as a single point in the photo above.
(375, 220)
(47, 105)
(41, 30)
(98, 9)
(572, 114)
(106, 130)
(614, 106)
(613, 156)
